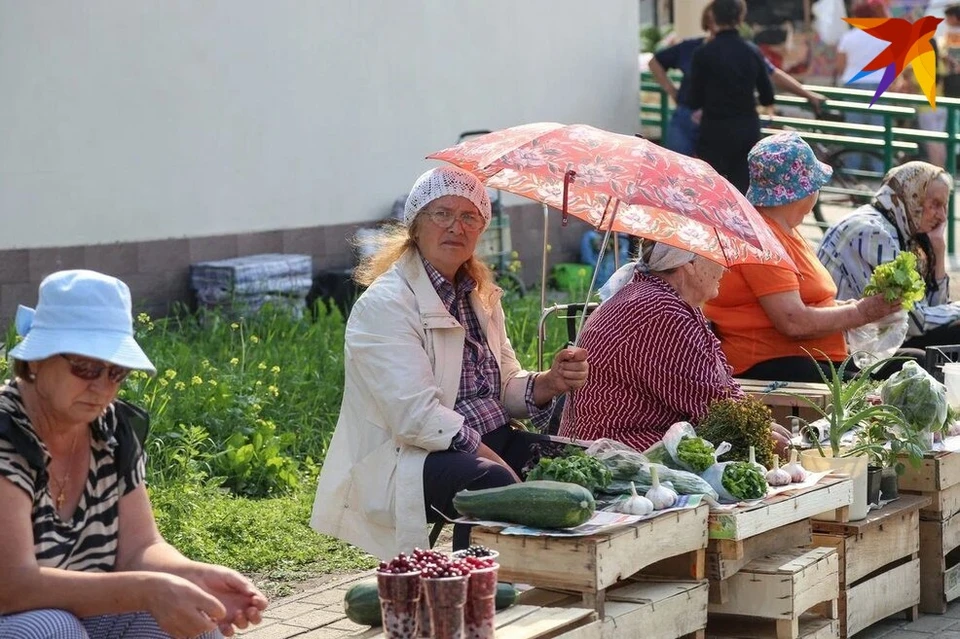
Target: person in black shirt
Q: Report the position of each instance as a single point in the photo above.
(724, 75)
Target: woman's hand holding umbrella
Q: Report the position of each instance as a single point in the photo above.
(568, 373)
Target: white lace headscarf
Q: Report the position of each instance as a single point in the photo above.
(447, 180)
(657, 259)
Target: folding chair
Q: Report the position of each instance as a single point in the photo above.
(937, 356)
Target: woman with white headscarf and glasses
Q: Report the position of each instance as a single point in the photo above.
(81, 556)
(653, 359)
(431, 380)
(908, 213)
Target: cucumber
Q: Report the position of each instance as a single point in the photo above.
(540, 504)
(362, 603)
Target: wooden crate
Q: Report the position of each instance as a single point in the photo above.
(783, 402)
(726, 557)
(830, 494)
(670, 545)
(641, 608)
(879, 564)
(937, 478)
(532, 622)
(809, 627)
(782, 587)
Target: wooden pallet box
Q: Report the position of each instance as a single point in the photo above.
(670, 545)
(784, 403)
(879, 565)
(832, 493)
(937, 478)
(782, 587)
(642, 608)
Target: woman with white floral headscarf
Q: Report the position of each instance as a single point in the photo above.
(908, 213)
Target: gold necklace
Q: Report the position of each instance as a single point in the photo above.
(63, 482)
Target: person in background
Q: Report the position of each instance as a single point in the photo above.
(725, 74)
(590, 244)
(908, 213)
(771, 320)
(950, 51)
(81, 556)
(856, 49)
(683, 132)
(431, 380)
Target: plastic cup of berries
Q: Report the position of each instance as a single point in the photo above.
(446, 589)
(399, 587)
(426, 559)
(477, 551)
(480, 610)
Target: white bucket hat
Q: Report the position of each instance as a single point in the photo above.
(81, 313)
(447, 180)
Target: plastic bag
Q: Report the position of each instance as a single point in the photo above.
(623, 461)
(675, 434)
(877, 340)
(920, 397)
(714, 477)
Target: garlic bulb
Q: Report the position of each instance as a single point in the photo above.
(778, 476)
(661, 496)
(753, 460)
(797, 473)
(636, 504)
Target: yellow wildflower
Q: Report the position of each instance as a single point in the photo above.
(275, 370)
(234, 361)
(180, 386)
(262, 366)
(234, 326)
(162, 381)
(196, 380)
(254, 339)
(212, 382)
(170, 373)
(273, 390)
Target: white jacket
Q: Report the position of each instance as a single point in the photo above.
(402, 359)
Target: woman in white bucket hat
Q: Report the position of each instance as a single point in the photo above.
(431, 379)
(81, 554)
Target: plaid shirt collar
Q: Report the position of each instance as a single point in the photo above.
(449, 294)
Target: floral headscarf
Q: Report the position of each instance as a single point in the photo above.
(900, 200)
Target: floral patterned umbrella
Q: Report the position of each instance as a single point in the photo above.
(645, 189)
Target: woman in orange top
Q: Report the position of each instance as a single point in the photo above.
(769, 318)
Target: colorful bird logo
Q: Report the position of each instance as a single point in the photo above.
(909, 44)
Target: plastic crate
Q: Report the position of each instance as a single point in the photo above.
(937, 356)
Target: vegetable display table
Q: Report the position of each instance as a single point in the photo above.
(531, 622)
(628, 576)
(879, 564)
(939, 479)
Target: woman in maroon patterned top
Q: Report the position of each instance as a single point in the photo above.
(653, 359)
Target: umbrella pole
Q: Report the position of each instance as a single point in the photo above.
(616, 252)
(543, 262)
(593, 280)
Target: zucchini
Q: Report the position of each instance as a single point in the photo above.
(540, 504)
(362, 603)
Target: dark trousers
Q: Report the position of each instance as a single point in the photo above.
(943, 336)
(447, 472)
(794, 369)
(724, 145)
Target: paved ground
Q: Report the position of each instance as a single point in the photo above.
(318, 614)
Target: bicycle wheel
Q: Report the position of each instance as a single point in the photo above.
(848, 174)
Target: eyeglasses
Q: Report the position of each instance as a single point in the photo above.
(89, 369)
(445, 219)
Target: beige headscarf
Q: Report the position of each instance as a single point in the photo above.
(900, 199)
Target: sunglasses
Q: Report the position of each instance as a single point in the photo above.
(90, 369)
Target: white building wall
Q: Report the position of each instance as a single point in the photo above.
(132, 120)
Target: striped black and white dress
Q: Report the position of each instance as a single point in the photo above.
(88, 541)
